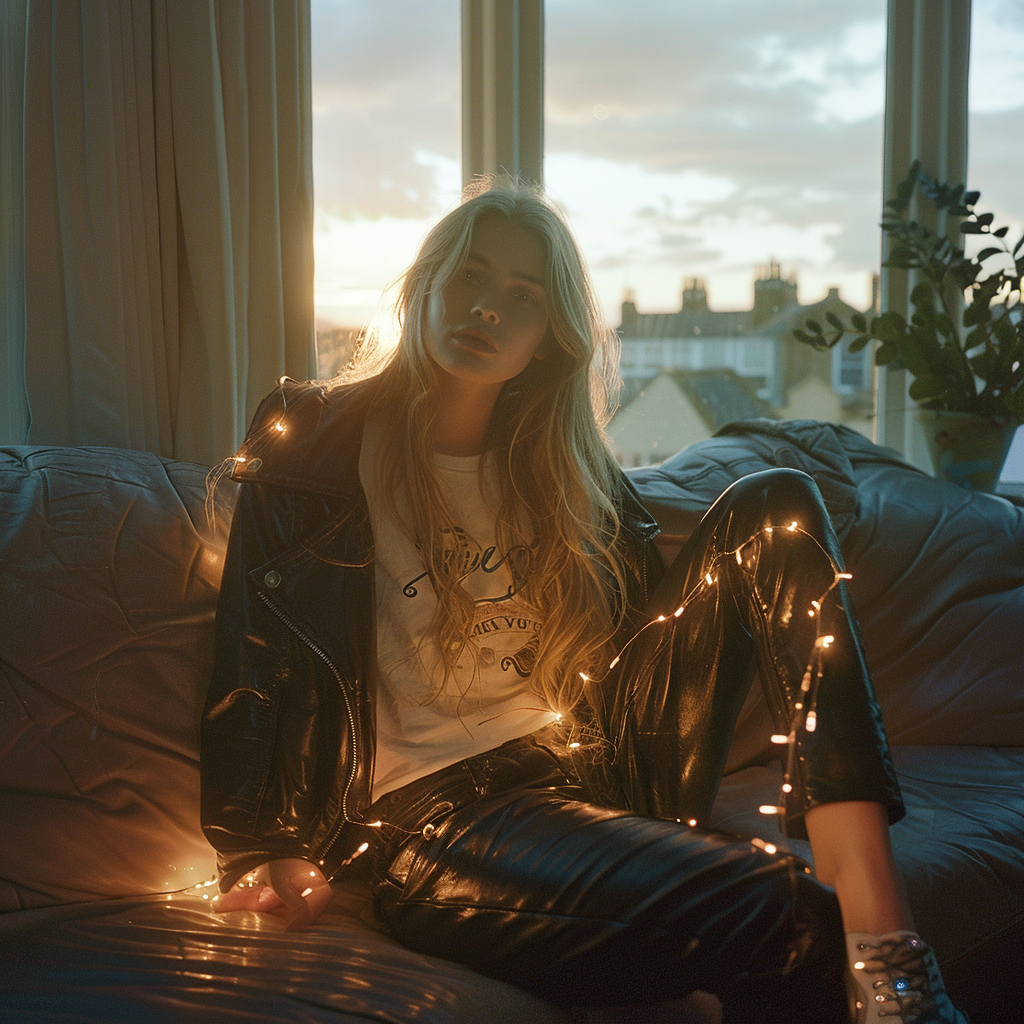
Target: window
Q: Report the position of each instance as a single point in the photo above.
(386, 143)
(721, 165)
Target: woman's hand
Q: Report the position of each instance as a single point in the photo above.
(291, 889)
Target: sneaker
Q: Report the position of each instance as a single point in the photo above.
(897, 979)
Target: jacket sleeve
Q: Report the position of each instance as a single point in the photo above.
(254, 795)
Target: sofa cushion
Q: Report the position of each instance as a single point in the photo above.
(107, 597)
(164, 960)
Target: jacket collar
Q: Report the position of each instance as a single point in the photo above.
(307, 436)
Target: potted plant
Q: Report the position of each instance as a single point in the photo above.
(964, 343)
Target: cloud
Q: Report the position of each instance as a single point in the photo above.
(997, 69)
(778, 105)
(385, 92)
(683, 138)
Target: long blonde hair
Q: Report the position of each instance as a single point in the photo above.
(558, 479)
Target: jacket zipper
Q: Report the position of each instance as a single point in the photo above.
(336, 830)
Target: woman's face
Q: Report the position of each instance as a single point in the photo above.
(495, 311)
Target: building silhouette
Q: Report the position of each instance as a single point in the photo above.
(696, 351)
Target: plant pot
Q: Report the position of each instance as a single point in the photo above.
(967, 449)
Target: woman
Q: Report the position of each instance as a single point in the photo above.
(448, 649)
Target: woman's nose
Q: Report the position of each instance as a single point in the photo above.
(485, 312)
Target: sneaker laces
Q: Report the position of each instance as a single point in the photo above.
(898, 978)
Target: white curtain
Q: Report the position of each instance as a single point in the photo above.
(167, 185)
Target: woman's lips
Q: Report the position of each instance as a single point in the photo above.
(475, 341)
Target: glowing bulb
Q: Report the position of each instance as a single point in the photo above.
(305, 892)
(585, 677)
(768, 530)
(779, 738)
(375, 824)
(770, 848)
(279, 427)
(799, 706)
(771, 809)
(859, 965)
(363, 847)
(708, 579)
(825, 641)
(812, 721)
(661, 618)
(810, 613)
(816, 606)
(692, 823)
(574, 745)
(792, 526)
(678, 611)
(615, 662)
(239, 458)
(739, 557)
(844, 576)
(787, 787)
(558, 716)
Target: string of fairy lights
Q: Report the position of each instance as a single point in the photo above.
(803, 716)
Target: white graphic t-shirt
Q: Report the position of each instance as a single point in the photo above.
(425, 722)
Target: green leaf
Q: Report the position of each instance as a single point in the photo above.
(1003, 330)
(969, 227)
(816, 341)
(977, 312)
(835, 321)
(990, 251)
(926, 386)
(976, 337)
(889, 327)
(813, 325)
(859, 342)
(858, 322)
(1000, 232)
(944, 325)
(922, 293)
(971, 198)
(984, 363)
(886, 353)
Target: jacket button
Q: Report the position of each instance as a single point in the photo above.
(254, 465)
(272, 579)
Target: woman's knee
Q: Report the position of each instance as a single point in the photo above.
(776, 499)
(772, 488)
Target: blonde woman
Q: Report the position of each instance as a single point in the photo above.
(450, 660)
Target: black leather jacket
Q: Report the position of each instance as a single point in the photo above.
(288, 732)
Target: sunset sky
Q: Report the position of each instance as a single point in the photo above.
(684, 138)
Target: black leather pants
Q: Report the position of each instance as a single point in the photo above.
(504, 861)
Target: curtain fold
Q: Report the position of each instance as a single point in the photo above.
(168, 201)
(14, 417)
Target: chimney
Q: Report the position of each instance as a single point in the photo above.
(695, 295)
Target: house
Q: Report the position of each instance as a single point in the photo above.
(661, 414)
(758, 346)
